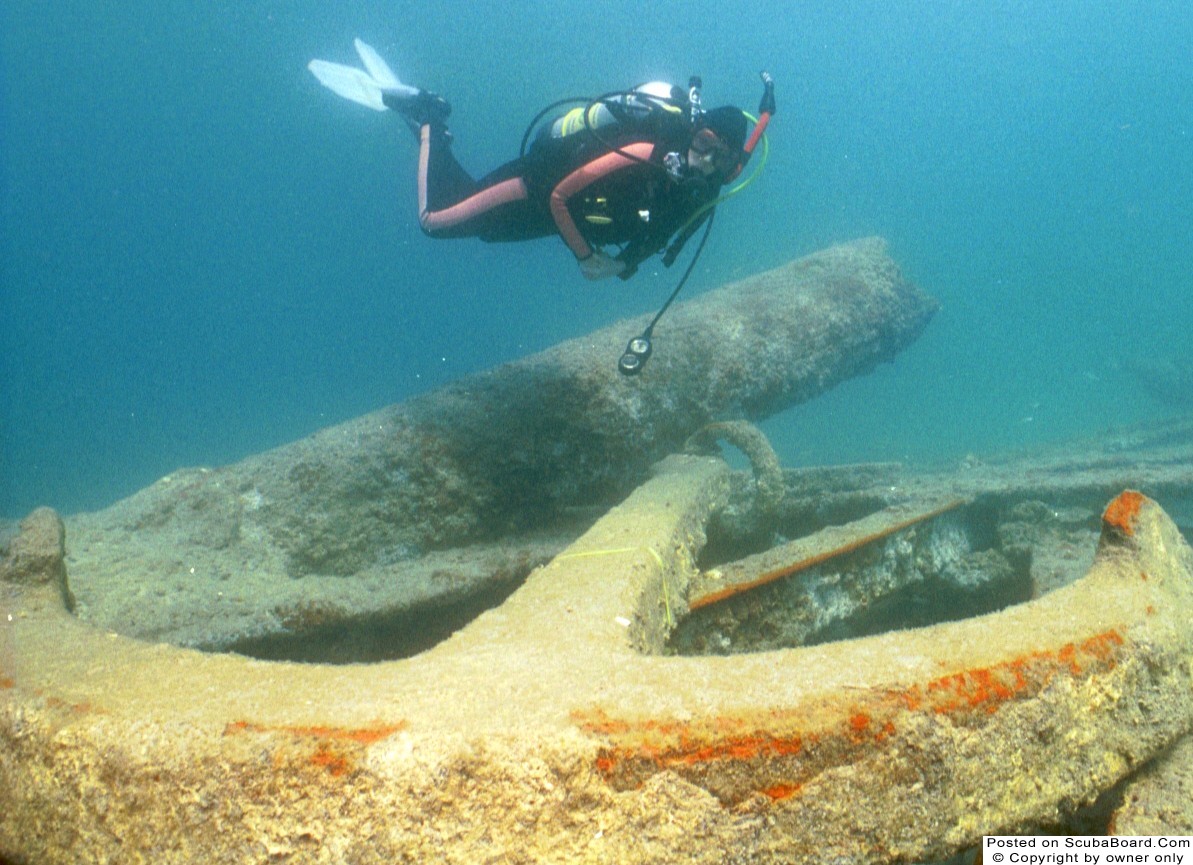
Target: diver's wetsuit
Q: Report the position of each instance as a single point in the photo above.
(575, 185)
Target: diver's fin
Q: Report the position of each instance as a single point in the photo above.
(354, 84)
(379, 69)
(363, 87)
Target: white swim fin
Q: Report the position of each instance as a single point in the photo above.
(379, 69)
(363, 86)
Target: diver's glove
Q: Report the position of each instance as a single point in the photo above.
(600, 266)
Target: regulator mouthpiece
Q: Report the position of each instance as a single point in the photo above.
(637, 353)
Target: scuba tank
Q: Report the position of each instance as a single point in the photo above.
(641, 104)
(630, 106)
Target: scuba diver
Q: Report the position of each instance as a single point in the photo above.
(635, 169)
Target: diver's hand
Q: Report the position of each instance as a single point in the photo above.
(600, 266)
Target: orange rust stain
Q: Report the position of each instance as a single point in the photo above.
(638, 747)
(862, 727)
(325, 757)
(668, 743)
(1121, 512)
(987, 688)
(606, 726)
(1104, 645)
(363, 736)
(782, 791)
(742, 748)
(1068, 656)
(7, 683)
(83, 708)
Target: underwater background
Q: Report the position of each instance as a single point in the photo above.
(206, 254)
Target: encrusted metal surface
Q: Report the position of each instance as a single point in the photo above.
(550, 729)
(392, 499)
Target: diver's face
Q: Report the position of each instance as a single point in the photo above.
(702, 163)
(708, 155)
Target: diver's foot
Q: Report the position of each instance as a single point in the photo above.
(423, 108)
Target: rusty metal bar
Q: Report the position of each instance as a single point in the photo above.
(734, 578)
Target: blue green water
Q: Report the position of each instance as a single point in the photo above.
(205, 254)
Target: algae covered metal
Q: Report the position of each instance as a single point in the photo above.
(459, 492)
(582, 717)
(550, 729)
